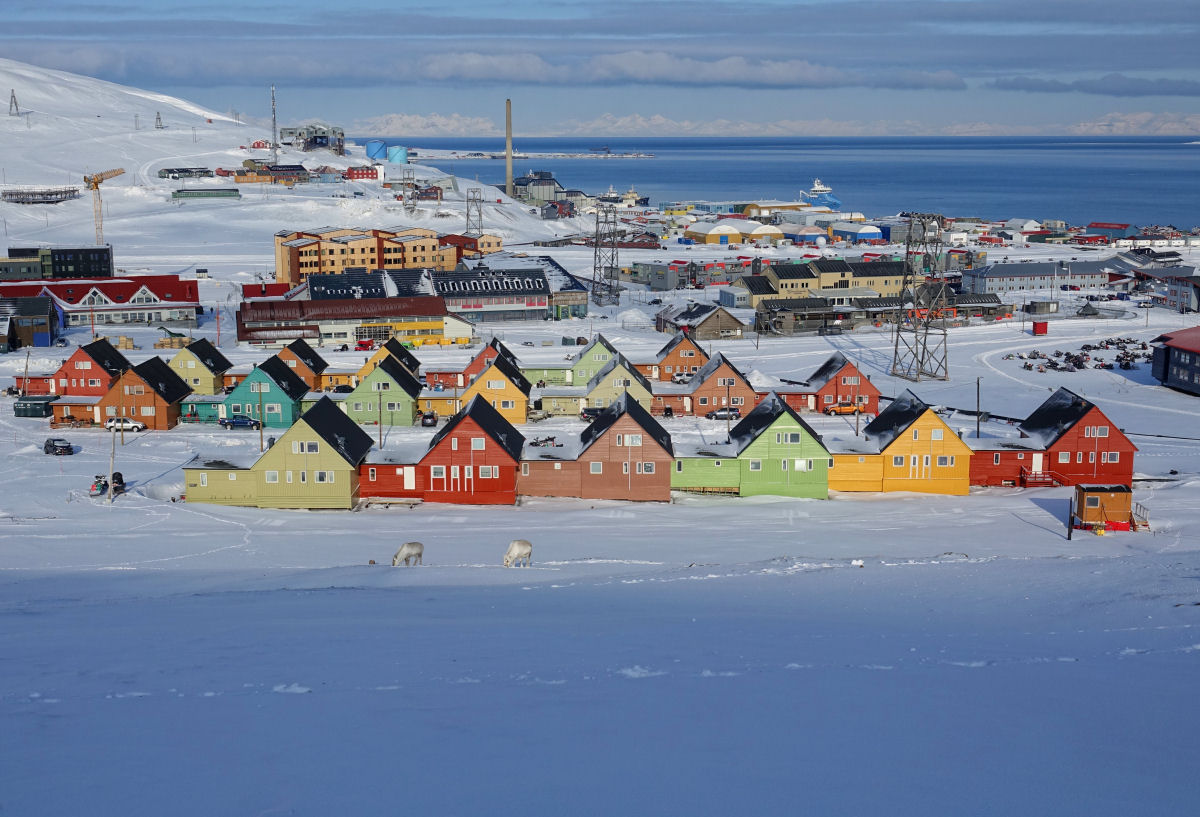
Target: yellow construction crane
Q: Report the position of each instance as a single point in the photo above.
(93, 183)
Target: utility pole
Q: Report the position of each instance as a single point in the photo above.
(978, 410)
(274, 131)
(261, 419)
(379, 422)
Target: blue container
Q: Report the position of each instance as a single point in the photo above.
(377, 149)
(397, 155)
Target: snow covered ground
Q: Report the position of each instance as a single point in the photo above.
(710, 656)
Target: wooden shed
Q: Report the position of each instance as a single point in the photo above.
(1110, 507)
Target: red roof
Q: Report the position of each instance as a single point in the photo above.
(271, 290)
(1107, 225)
(71, 291)
(1186, 340)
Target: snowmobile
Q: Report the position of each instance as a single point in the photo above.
(100, 484)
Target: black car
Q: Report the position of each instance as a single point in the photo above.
(429, 418)
(725, 413)
(342, 389)
(58, 446)
(589, 414)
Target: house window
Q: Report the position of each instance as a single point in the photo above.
(203, 478)
(625, 468)
(596, 467)
(716, 463)
(93, 382)
(1064, 456)
(454, 443)
(1113, 456)
(995, 459)
(647, 467)
(274, 408)
(232, 477)
(678, 466)
(437, 472)
(935, 434)
(507, 404)
(703, 401)
(477, 443)
(147, 411)
(324, 476)
(943, 462)
(633, 440)
(237, 409)
(896, 461)
(828, 398)
(737, 401)
(371, 474)
(524, 469)
(358, 406)
(83, 364)
(916, 434)
(1101, 431)
(1091, 502)
(303, 477)
(288, 477)
(1079, 456)
(755, 465)
(783, 464)
(495, 385)
(272, 476)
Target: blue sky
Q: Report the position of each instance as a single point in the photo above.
(714, 67)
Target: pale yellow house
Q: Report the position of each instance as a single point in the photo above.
(617, 378)
(201, 366)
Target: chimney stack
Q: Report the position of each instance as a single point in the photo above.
(508, 181)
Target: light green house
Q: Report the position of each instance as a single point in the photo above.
(615, 378)
(386, 395)
(771, 451)
(201, 366)
(594, 357)
(313, 465)
(561, 401)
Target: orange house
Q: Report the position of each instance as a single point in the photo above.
(305, 362)
(718, 383)
(681, 354)
(89, 371)
(150, 393)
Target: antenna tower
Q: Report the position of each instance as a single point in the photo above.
(158, 121)
(604, 259)
(408, 186)
(13, 108)
(274, 131)
(919, 323)
(474, 212)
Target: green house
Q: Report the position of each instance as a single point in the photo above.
(594, 357)
(314, 465)
(771, 451)
(270, 393)
(201, 408)
(615, 378)
(386, 395)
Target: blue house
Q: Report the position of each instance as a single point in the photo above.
(270, 393)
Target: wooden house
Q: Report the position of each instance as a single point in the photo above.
(907, 447)
(1110, 507)
(271, 393)
(89, 371)
(394, 349)
(1067, 440)
(387, 395)
(313, 465)
(472, 460)
(836, 382)
(202, 366)
(699, 321)
(618, 377)
(305, 362)
(771, 451)
(459, 378)
(717, 383)
(623, 454)
(501, 383)
(593, 357)
(150, 393)
(561, 401)
(681, 354)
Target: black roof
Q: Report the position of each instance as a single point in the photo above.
(504, 351)
(1055, 416)
(402, 353)
(621, 406)
(359, 282)
(761, 418)
(407, 381)
(710, 367)
(827, 370)
(208, 354)
(510, 370)
(873, 268)
(162, 378)
(284, 377)
(107, 356)
(759, 284)
(830, 265)
(335, 427)
(619, 360)
(492, 423)
(799, 271)
(35, 305)
(893, 420)
(308, 355)
(803, 305)
(678, 338)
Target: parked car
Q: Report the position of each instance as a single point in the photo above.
(843, 408)
(589, 414)
(725, 413)
(61, 342)
(342, 388)
(681, 377)
(238, 421)
(118, 423)
(429, 418)
(57, 446)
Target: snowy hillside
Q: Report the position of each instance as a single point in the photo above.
(710, 656)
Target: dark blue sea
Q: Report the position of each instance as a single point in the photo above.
(1143, 181)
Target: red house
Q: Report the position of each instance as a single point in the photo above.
(837, 382)
(90, 370)
(681, 355)
(460, 378)
(718, 383)
(360, 172)
(1067, 440)
(472, 460)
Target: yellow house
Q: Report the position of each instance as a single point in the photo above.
(201, 366)
(503, 386)
(392, 348)
(907, 447)
(616, 378)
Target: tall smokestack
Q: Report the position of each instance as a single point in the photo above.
(508, 187)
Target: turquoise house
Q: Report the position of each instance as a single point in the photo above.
(271, 392)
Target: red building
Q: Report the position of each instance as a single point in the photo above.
(460, 378)
(623, 454)
(88, 372)
(362, 172)
(472, 460)
(681, 355)
(837, 382)
(1067, 440)
(718, 383)
(144, 299)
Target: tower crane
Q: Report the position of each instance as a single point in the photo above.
(93, 183)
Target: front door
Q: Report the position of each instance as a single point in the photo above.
(1037, 464)
(454, 478)
(912, 467)
(687, 405)
(468, 481)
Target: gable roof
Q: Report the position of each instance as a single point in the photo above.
(895, 419)
(836, 362)
(106, 356)
(710, 367)
(831, 265)
(621, 406)
(162, 379)
(401, 352)
(793, 271)
(619, 360)
(208, 354)
(300, 348)
(676, 340)
(503, 351)
(1055, 417)
(402, 376)
(284, 377)
(509, 370)
(762, 417)
(1185, 340)
(490, 421)
(601, 341)
(337, 429)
